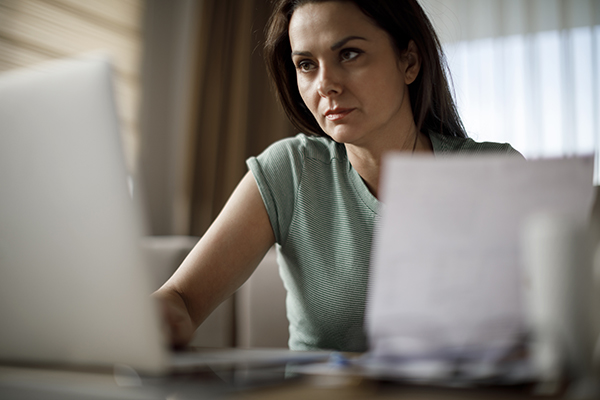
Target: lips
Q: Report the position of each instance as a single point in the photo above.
(337, 113)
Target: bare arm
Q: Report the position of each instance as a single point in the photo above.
(219, 264)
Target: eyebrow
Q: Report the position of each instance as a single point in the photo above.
(345, 40)
(337, 45)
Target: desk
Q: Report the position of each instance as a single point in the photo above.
(369, 390)
(28, 383)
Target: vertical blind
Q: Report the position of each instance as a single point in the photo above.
(34, 31)
(526, 72)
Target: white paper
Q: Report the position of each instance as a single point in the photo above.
(446, 273)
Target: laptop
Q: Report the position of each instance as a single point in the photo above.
(74, 289)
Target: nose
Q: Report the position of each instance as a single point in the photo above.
(329, 83)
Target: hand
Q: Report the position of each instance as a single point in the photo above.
(179, 323)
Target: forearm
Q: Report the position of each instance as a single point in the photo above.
(219, 264)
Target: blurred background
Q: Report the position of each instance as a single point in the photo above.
(195, 101)
(191, 87)
(525, 71)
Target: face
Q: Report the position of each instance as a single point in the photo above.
(349, 73)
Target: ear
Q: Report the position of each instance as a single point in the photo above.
(411, 62)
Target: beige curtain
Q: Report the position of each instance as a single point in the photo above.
(237, 115)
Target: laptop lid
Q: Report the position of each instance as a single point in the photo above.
(73, 289)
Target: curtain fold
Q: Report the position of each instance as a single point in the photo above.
(237, 115)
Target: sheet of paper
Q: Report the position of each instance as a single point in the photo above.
(446, 273)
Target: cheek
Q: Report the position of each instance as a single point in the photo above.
(387, 87)
(306, 92)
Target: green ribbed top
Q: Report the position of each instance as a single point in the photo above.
(323, 217)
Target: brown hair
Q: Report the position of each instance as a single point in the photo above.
(404, 20)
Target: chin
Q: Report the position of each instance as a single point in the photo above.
(343, 134)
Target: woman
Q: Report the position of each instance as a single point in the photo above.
(363, 77)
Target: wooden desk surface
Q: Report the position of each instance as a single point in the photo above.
(362, 390)
(30, 383)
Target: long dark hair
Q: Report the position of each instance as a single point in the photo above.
(404, 20)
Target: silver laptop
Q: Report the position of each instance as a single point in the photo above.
(74, 289)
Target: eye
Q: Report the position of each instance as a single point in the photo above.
(349, 54)
(305, 66)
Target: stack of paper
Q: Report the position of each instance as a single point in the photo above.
(446, 284)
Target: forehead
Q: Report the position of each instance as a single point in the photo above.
(327, 22)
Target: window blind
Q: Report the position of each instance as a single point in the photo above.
(33, 31)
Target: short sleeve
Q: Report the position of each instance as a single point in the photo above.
(278, 174)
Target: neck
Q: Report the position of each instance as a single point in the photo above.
(367, 160)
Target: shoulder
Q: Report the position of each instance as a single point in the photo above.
(450, 144)
(285, 161)
(280, 170)
(305, 146)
